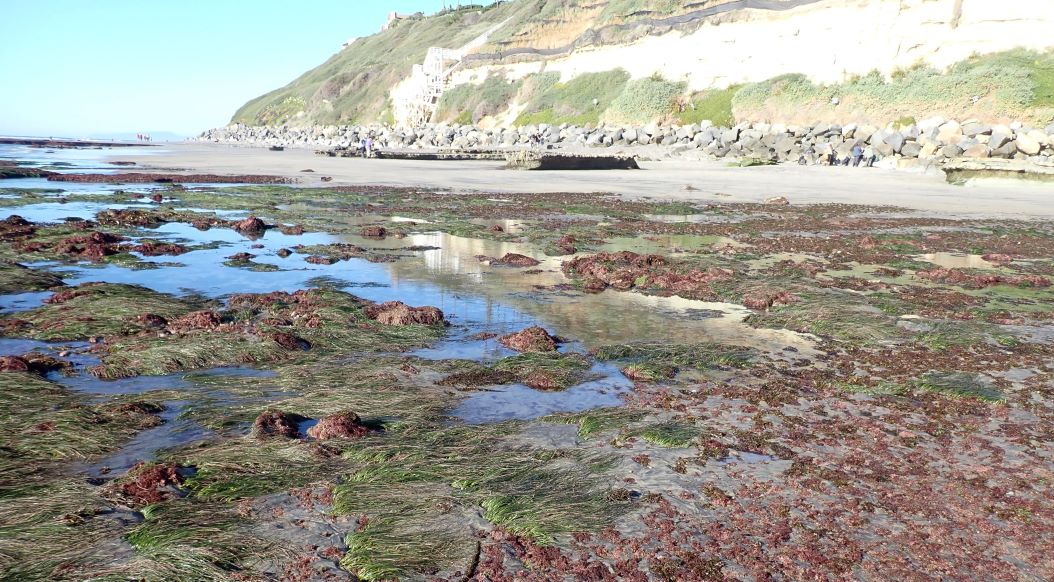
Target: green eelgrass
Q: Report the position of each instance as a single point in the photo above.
(670, 434)
(106, 309)
(960, 385)
(15, 278)
(701, 356)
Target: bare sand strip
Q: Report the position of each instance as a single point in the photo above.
(703, 181)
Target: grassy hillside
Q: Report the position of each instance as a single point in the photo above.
(353, 85)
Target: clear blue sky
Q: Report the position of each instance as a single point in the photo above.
(82, 67)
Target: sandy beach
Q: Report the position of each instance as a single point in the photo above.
(666, 180)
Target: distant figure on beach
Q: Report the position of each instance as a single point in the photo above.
(869, 156)
(369, 146)
(828, 153)
(807, 157)
(858, 154)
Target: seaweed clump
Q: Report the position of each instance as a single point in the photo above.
(532, 339)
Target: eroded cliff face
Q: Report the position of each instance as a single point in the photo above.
(828, 41)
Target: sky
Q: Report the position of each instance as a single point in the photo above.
(79, 68)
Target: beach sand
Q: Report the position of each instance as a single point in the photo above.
(702, 181)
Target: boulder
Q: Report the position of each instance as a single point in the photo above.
(1040, 136)
(703, 139)
(930, 124)
(1005, 151)
(975, 128)
(1027, 145)
(895, 141)
(928, 150)
(784, 145)
(951, 151)
(1000, 137)
(910, 149)
(976, 151)
(950, 133)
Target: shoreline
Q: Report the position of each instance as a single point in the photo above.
(675, 180)
(73, 143)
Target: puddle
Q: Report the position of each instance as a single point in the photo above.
(508, 226)
(685, 218)
(58, 211)
(669, 243)
(519, 402)
(77, 353)
(23, 301)
(743, 457)
(145, 445)
(956, 261)
(772, 260)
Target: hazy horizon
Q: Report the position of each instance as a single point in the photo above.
(124, 67)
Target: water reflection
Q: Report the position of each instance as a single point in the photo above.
(956, 261)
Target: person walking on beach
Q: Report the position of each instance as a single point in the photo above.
(869, 156)
(369, 146)
(858, 154)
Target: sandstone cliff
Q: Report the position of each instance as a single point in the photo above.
(621, 61)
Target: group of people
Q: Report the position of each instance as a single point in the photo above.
(142, 137)
(829, 156)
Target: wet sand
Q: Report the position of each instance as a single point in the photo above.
(666, 180)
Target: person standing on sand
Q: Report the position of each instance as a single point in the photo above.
(369, 146)
(828, 153)
(858, 154)
(869, 156)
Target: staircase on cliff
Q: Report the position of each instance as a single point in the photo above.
(430, 79)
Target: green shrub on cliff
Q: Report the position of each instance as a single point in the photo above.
(645, 100)
(469, 103)
(714, 105)
(1012, 84)
(580, 100)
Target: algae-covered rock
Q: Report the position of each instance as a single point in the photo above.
(276, 423)
(399, 313)
(532, 339)
(343, 425)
